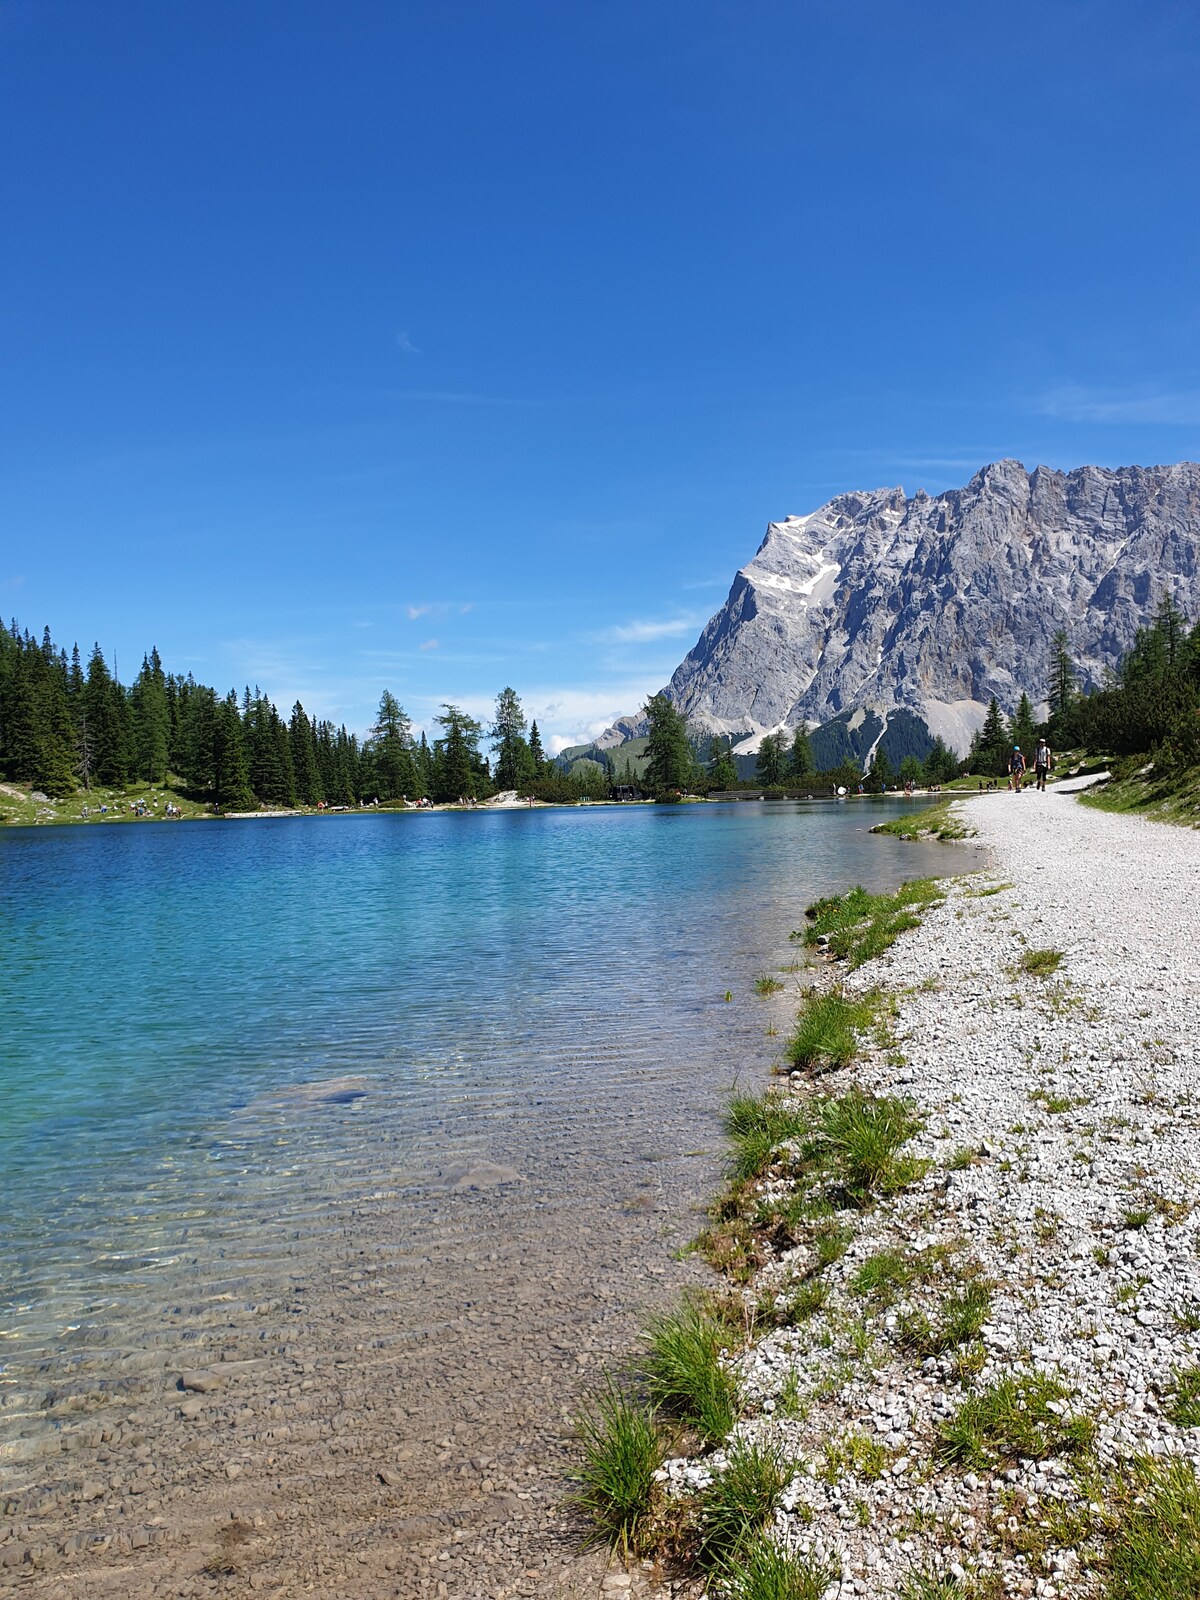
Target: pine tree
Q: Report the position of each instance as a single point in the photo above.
(669, 759)
(769, 768)
(1060, 688)
(231, 773)
(1023, 729)
(537, 754)
(391, 748)
(104, 706)
(151, 720)
(304, 758)
(883, 774)
(457, 765)
(800, 761)
(993, 744)
(514, 759)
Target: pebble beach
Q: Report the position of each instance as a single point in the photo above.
(1062, 1135)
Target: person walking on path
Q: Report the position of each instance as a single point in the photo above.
(1042, 762)
(1016, 769)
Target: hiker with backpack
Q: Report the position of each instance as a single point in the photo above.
(1042, 762)
(1016, 769)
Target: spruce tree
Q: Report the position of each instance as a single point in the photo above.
(458, 775)
(669, 760)
(304, 758)
(514, 761)
(769, 768)
(391, 749)
(537, 754)
(800, 761)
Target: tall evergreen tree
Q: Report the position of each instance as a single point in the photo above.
(309, 790)
(231, 772)
(770, 767)
(514, 760)
(457, 759)
(669, 761)
(536, 753)
(391, 748)
(800, 761)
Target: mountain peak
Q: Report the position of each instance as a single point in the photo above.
(935, 604)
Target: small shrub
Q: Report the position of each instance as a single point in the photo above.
(762, 1571)
(621, 1453)
(684, 1372)
(738, 1505)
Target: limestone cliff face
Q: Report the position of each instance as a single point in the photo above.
(936, 604)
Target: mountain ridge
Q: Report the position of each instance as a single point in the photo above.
(934, 604)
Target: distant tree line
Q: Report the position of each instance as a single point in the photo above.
(64, 726)
(1148, 706)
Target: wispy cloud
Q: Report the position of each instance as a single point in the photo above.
(1078, 402)
(405, 344)
(14, 582)
(707, 583)
(430, 644)
(417, 611)
(648, 630)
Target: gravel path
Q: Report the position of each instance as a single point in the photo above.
(1063, 1134)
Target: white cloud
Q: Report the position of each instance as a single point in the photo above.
(430, 644)
(1078, 402)
(405, 344)
(649, 630)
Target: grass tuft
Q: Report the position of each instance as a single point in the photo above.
(621, 1453)
(767, 984)
(684, 1372)
(759, 1126)
(860, 1136)
(859, 925)
(762, 1571)
(737, 1507)
(1184, 1406)
(827, 1030)
(1154, 1550)
(960, 1317)
(1040, 963)
(1015, 1418)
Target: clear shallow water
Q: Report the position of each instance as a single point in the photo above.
(218, 1039)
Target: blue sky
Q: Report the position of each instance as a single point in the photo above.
(450, 345)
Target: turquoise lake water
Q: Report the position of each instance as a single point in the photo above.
(201, 1022)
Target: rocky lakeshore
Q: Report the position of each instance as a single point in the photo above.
(983, 1383)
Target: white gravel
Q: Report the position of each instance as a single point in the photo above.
(1078, 1095)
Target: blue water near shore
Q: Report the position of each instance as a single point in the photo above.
(176, 998)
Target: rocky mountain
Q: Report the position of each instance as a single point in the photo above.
(935, 604)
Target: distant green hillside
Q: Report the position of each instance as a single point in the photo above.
(847, 738)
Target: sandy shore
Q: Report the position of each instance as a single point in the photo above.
(1062, 1128)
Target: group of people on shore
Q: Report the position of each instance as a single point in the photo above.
(1043, 760)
